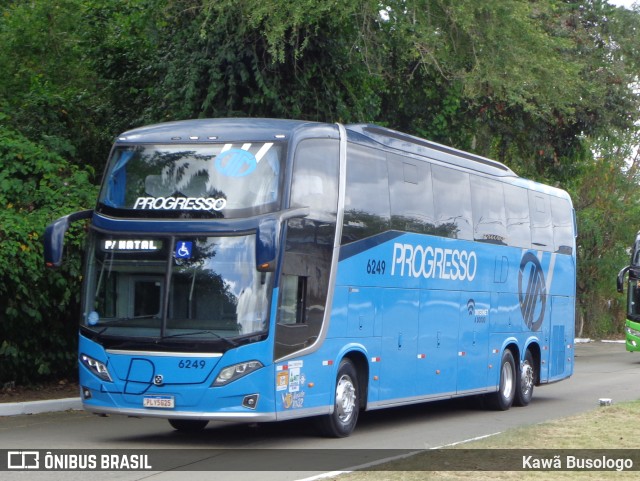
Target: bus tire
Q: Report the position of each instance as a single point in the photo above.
(502, 399)
(188, 425)
(342, 421)
(525, 381)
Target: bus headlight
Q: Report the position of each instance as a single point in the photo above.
(633, 332)
(96, 367)
(231, 373)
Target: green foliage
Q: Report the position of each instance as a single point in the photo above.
(255, 58)
(37, 323)
(605, 197)
(48, 90)
(120, 42)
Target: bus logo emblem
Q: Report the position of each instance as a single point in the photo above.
(471, 307)
(532, 291)
(236, 163)
(158, 380)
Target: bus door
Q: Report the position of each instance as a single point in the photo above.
(147, 293)
(473, 341)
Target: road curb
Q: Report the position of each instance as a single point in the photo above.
(38, 407)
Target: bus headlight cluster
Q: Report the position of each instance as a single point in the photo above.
(633, 332)
(96, 367)
(231, 373)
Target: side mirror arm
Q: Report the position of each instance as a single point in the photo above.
(54, 236)
(268, 237)
(620, 280)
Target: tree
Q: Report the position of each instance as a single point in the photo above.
(38, 318)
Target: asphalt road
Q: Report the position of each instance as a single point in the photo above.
(602, 370)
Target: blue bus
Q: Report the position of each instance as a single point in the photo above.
(254, 270)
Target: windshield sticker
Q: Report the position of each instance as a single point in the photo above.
(282, 381)
(184, 249)
(239, 162)
(93, 318)
(236, 163)
(180, 203)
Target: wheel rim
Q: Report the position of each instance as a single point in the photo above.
(526, 378)
(345, 399)
(507, 380)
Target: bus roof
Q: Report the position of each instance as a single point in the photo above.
(415, 145)
(212, 130)
(269, 130)
(235, 129)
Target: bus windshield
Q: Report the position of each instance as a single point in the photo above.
(190, 288)
(203, 180)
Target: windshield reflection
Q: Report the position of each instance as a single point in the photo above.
(219, 180)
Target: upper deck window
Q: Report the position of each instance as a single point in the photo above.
(206, 180)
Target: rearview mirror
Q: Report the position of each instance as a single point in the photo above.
(268, 237)
(54, 237)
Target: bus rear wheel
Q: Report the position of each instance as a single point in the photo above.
(188, 425)
(525, 381)
(502, 399)
(342, 421)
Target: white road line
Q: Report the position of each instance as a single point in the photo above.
(363, 467)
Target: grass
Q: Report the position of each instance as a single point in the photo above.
(607, 427)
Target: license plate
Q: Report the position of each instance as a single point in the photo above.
(163, 402)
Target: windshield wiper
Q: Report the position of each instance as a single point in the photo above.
(204, 331)
(124, 320)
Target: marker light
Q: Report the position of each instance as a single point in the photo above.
(96, 367)
(231, 373)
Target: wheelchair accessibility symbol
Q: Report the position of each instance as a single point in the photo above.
(183, 249)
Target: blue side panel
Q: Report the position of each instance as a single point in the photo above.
(362, 312)
(445, 310)
(473, 342)
(339, 325)
(400, 314)
(505, 315)
(302, 385)
(562, 338)
(437, 342)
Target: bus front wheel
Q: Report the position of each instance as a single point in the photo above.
(502, 399)
(342, 421)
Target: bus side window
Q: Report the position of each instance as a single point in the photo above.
(315, 178)
(489, 219)
(411, 195)
(293, 295)
(366, 210)
(452, 199)
(518, 217)
(541, 222)
(563, 235)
